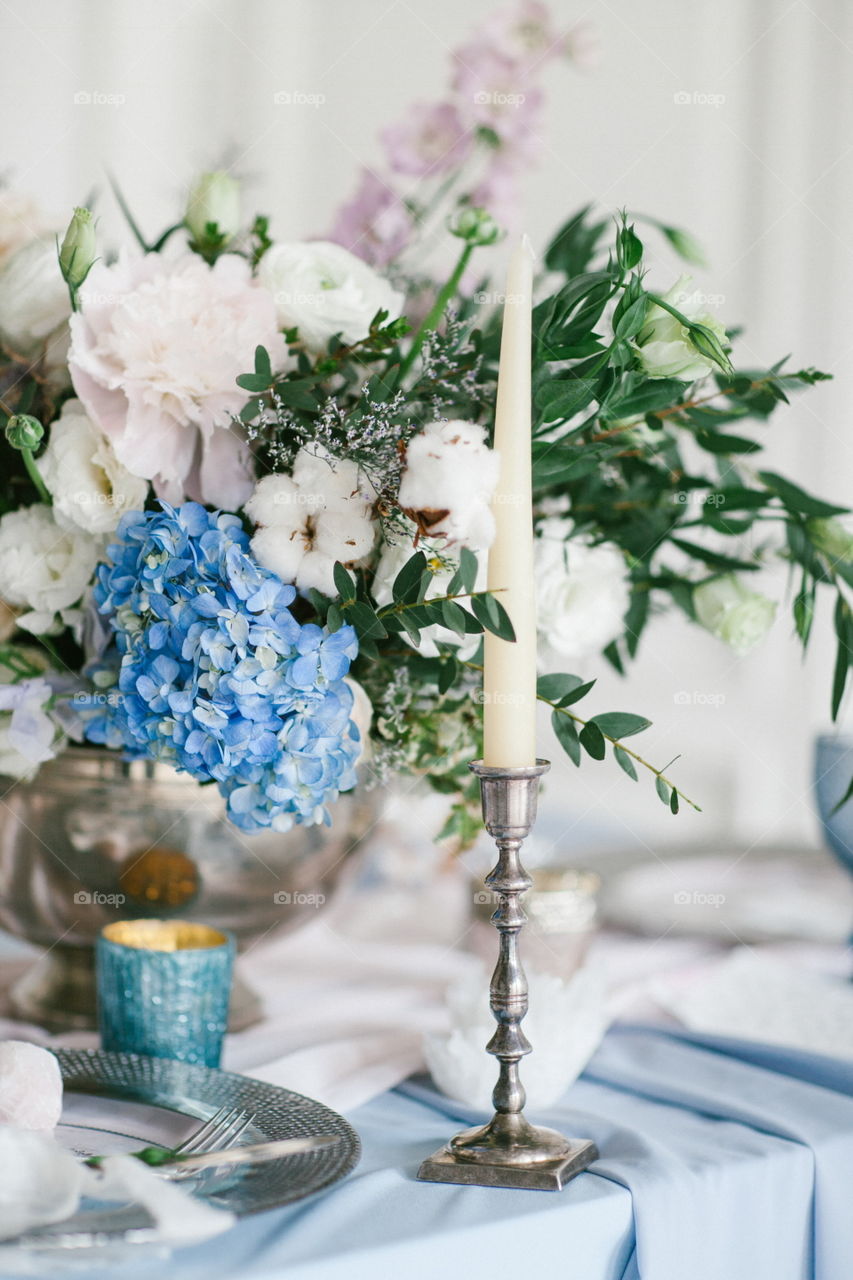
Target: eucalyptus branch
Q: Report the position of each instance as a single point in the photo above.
(399, 607)
(658, 773)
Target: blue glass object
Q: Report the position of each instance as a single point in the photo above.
(833, 771)
(163, 989)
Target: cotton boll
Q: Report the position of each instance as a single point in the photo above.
(274, 501)
(30, 1086)
(316, 573)
(277, 550)
(344, 536)
(320, 514)
(40, 1182)
(448, 483)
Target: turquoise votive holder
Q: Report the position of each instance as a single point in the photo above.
(163, 988)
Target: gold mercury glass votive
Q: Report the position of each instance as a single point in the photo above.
(164, 987)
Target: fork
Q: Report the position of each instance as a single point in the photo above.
(224, 1128)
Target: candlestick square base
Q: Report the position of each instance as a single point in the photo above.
(546, 1175)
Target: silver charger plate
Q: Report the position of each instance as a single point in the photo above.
(123, 1101)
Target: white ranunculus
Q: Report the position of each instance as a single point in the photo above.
(44, 569)
(394, 556)
(90, 488)
(663, 344)
(733, 613)
(306, 521)
(34, 300)
(582, 592)
(449, 481)
(322, 289)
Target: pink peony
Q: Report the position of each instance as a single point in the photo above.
(432, 139)
(375, 224)
(155, 354)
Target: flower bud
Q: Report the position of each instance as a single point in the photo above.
(833, 539)
(733, 613)
(79, 248)
(213, 209)
(477, 226)
(23, 431)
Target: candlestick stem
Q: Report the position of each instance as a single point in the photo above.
(509, 1151)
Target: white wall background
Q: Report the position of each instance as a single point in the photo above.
(764, 178)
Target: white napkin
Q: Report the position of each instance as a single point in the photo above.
(565, 1025)
(759, 997)
(43, 1183)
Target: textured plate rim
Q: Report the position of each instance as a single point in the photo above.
(182, 1090)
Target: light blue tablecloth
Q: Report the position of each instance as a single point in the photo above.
(720, 1160)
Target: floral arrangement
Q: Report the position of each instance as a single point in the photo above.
(247, 483)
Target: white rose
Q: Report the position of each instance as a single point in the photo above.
(734, 614)
(34, 299)
(90, 488)
(582, 592)
(321, 513)
(44, 569)
(323, 289)
(394, 556)
(448, 483)
(663, 344)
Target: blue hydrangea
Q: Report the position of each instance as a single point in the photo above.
(211, 671)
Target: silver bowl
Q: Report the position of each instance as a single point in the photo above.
(94, 838)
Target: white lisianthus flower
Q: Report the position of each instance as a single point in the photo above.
(306, 521)
(834, 538)
(582, 592)
(663, 345)
(734, 614)
(34, 300)
(361, 716)
(393, 557)
(21, 220)
(28, 735)
(448, 483)
(90, 488)
(44, 569)
(322, 289)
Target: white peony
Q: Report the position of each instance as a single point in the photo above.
(393, 557)
(449, 481)
(308, 520)
(155, 354)
(34, 300)
(322, 289)
(90, 488)
(663, 346)
(44, 569)
(734, 614)
(582, 592)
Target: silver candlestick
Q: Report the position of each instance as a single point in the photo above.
(509, 1151)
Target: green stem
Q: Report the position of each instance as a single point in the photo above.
(35, 475)
(437, 311)
(389, 609)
